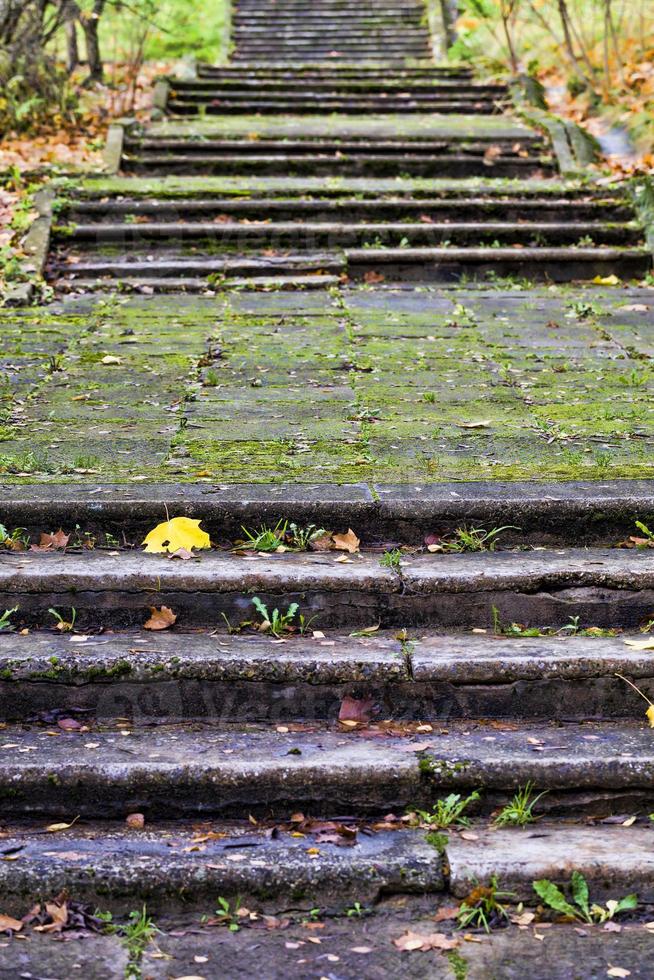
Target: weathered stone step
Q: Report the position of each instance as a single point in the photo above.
(312, 234)
(507, 208)
(169, 870)
(255, 160)
(604, 587)
(176, 771)
(170, 265)
(327, 71)
(555, 263)
(364, 74)
(261, 104)
(255, 278)
(544, 513)
(297, 87)
(172, 868)
(428, 678)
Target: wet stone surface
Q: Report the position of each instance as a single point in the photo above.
(378, 386)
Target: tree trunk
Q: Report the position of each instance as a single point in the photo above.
(93, 55)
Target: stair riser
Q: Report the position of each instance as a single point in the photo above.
(299, 237)
(311, 108)
(326, 211)
(538, 269)
(354, 608)
(324, 166)
(238, 700)
(547, 514)
(94, 791)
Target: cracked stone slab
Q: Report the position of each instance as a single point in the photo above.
(199, 769)
(614, 860)
(173, 869)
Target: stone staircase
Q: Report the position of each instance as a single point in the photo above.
(362, 169)
(327, 155)
(295, 31)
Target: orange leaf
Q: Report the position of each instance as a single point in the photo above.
(160, 619)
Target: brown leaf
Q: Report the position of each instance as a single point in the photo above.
(135, 821)
(347, 542)
(52, 542)
(356, 710)
(415, 941)
(69, 725)
(372, 277)
(160, 619)
(323, 543)
(182, 553)
(9, 924)
(446, 913)
(59, 915)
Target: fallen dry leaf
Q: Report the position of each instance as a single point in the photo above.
(135, 821)
(356, 710)
(69, 725)
(484, 424)
(160, 619)
(346, 542)
(54, 828)
(372, 277)
(52, 542)
(111, 359)
(8, 924)
(415, 941)
(179, 533)
(617, 971)
(59, 915)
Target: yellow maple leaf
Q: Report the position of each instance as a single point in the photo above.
(180, 532)
(606, 281)
(650, 715)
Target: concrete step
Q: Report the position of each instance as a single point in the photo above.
(260, 71)
(400, 208)
(280, 104)
(174, 772)
(429, 678)
(591, 514)
(305, 234)
(172, 868)
(261, 160)
(603, 587)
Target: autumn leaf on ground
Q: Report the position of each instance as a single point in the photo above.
(634, 308)
(59, 915)
(346, 542)
(160, 619)
(55, 828)
(355, 711)
(7, 924)
(484, 424)
(111, 359)
(372, 277)
(606, 281)
(412, 942)
(179, 533)
(135, 821)
(52, 542)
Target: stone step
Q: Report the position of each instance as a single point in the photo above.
(259, 71)
(254, 160)
(604, 587)
(552, 514)
(173, 772)
(254, 278)
(300, 86)
(356, 106)
(514, 208)
(168, 870)
(170, 265)
(171, 868)
(429, 678)
(312, 234)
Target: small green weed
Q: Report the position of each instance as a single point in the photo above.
(482, 908)
(16, 540)
(266, 538)
(355, 911)
(581, 910)
(5, 620)
(277, 623)
(475, 539)
(64, 625)
(227, 914)
(519, 812)
(449, 811)
(301, 537)
(392, 559)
